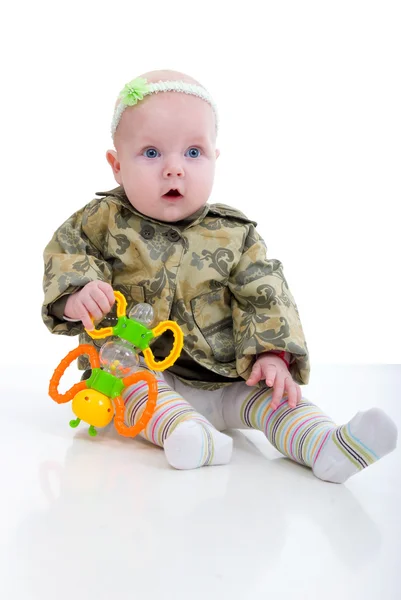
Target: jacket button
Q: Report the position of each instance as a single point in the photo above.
(148, 232)
(173, 235)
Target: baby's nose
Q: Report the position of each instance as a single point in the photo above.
(173, 171)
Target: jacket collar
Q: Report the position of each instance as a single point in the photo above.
(220, 210)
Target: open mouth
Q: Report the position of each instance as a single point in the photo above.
(172, 194)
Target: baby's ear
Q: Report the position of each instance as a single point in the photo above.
(217, 154)
(112, 159)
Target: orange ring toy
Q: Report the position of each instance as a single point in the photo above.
(98, 399)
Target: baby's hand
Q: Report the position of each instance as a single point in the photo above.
(274, 370)
(94, 301)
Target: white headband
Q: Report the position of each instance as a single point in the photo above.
(138, 88)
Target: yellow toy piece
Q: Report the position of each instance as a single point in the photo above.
(175, 351)
(93, 407)
(139, 335)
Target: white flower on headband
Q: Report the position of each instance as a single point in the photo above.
(134, 91)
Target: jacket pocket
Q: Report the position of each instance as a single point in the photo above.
(212, 315)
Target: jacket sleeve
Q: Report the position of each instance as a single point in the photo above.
(265, 316)
(73, 258)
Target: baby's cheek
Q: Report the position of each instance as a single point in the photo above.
(204, 181)
(141, 182)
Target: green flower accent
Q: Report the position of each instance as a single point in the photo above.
(134, 91)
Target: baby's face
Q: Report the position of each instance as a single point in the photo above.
(165, 155)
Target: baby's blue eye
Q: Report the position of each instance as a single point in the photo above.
(151, 153)
(193, 152)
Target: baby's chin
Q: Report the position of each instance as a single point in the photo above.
(171, 212)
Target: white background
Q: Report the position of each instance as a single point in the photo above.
(309, 98)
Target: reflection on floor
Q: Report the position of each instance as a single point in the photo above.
(106, 517)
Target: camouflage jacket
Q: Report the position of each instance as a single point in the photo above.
(209, 274)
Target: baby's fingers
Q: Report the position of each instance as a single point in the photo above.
(278, 392)
(85, 317)
(255, 375)
(108, 290)
(270, 375)
(92, 308)
(292, 392)
(102, 300)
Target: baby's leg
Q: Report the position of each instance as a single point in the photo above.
(189, 440)
(308, 436)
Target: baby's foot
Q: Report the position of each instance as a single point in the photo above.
(193, 445)
(348, 449)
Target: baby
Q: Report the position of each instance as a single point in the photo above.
(157, 240)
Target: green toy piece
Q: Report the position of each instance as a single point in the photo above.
(105, 383)
(134, 332)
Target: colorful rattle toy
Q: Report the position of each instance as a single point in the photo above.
(133, 329)
(98, 399)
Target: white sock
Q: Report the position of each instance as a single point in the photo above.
(193, 445)
(348, 449)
